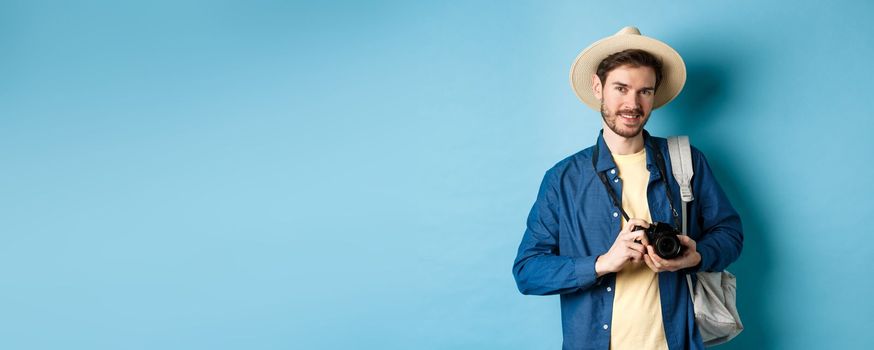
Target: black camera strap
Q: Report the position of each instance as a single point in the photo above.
(660, 163)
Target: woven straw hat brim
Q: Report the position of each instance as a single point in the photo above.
(586, 64)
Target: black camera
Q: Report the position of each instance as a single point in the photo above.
(664, 239)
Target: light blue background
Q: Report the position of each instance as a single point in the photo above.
(335, 175)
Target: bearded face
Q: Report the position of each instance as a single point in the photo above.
(626, 98)
(626, 123)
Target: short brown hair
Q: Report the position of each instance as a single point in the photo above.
(633, 58)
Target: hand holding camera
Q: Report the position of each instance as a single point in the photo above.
(630, 246)
(670, 249)
(664, 239)
(659, 245)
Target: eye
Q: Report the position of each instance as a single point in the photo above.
(646, 92)
(621, 88)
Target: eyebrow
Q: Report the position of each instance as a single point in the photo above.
(626, 85)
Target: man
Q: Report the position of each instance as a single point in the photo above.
(616, 292)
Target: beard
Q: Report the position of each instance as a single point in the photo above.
(613, 118)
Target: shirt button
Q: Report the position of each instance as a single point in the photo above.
(605, 326)
(616, 180)
(609, 289)
(612, 172)
(615, 214)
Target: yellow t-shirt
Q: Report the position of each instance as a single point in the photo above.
(637, 309)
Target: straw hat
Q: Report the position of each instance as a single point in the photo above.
(586, 64)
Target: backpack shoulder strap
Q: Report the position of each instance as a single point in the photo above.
(681, 166)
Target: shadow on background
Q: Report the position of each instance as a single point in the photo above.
(708, 91)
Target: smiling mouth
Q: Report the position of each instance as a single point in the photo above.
(630, 116)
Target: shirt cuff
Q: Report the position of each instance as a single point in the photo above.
(706, 259)
(584, 267)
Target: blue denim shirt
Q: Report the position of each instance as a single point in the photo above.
(573, 221)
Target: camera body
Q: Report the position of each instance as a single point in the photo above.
(664, 240)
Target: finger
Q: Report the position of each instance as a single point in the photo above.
(642, 238)
(657, 261)
(649, 263)
(638, 222)
(686, 241)
(627, 237)
(638, 256)
(629, 250)
(640, 248)
(688, 252)
(661, 263)
(631, 236)
(628, 226)
(623, 233)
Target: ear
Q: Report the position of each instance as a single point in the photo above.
(597, 89)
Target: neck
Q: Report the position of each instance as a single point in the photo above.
(621, 145)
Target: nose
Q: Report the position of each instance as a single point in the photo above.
(631, 100)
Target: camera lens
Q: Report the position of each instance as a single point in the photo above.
(668, 247)
(665, 240)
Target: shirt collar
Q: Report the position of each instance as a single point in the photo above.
(605, 158)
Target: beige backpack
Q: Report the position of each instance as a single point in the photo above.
(715, 294)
